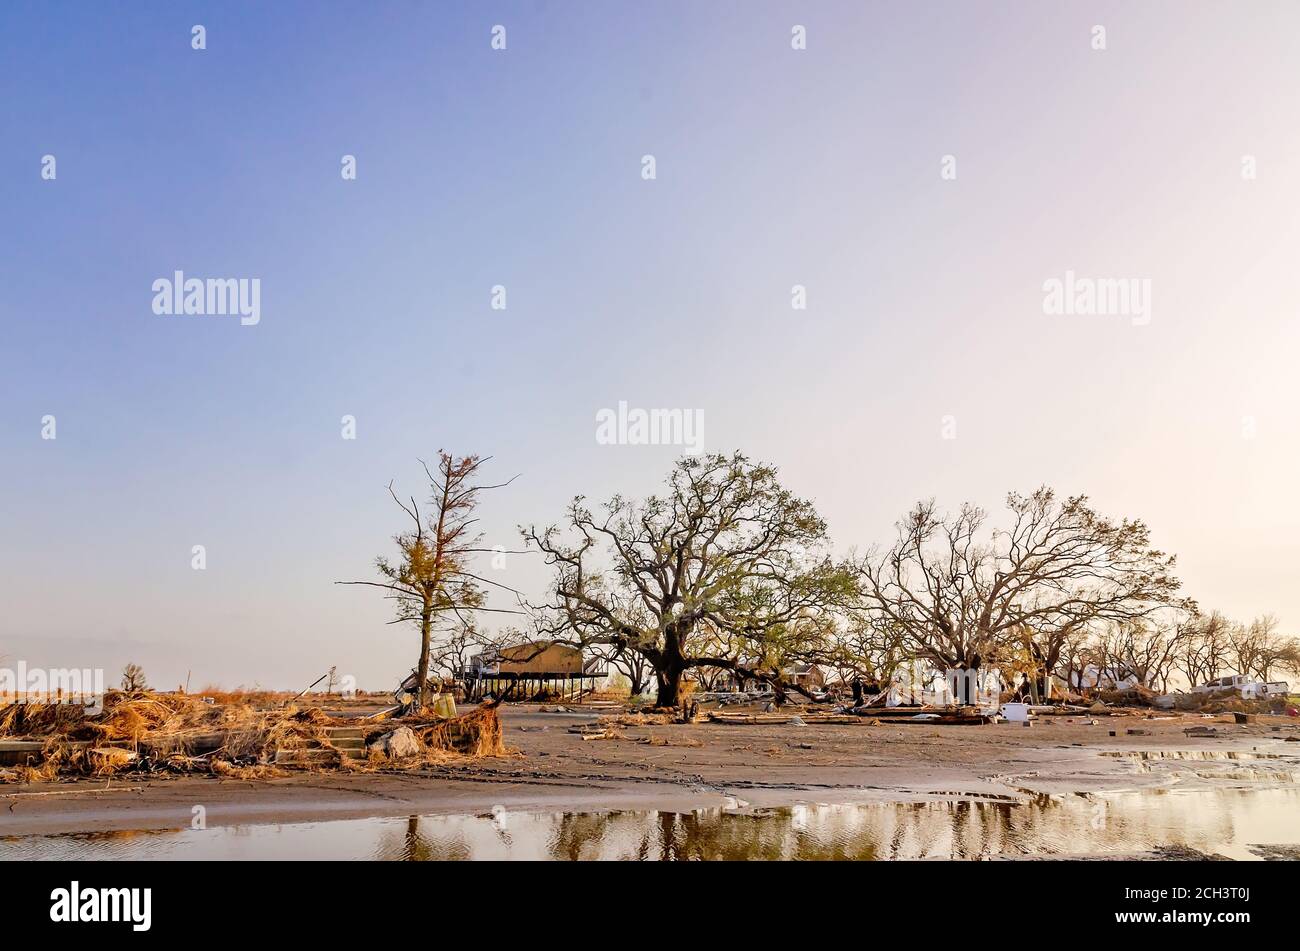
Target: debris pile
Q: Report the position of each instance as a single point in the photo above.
(477, 733)
(640, 719)
(1134, 696)
(1227, 701)
(142, 731)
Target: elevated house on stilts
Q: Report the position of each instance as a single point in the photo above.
(533, 671)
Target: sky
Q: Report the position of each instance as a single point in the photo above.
(921, 170)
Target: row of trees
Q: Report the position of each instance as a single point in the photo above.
(728, 574)
(1188, 650)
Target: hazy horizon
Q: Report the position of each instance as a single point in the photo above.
(926, 363)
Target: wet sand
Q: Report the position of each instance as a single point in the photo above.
(663, 768)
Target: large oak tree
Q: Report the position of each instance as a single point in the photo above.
(724, 569)
(965, 592)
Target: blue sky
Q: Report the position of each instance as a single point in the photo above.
(522, 168)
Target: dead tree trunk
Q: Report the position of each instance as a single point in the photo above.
(422, 671)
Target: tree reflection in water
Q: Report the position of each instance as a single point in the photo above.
(1074, 824)
(1223, 820)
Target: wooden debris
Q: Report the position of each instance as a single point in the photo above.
(752, 719)
(145, 732)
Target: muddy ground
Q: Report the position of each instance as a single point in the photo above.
(680, 767)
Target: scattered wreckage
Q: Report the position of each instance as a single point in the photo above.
(147, 732)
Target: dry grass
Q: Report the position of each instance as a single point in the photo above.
(477, 733)
(242, 695)
(656, 740)
(37, 719)
(161, 733)
(125, 717)
(616, 695)
(256, 771)
(641, 719)
(609, 733)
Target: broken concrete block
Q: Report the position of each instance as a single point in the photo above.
(397, 744)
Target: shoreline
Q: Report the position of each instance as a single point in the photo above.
(680, 768)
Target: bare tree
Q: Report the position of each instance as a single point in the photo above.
(635, 666)
(1144, 649)
(1286, 658)
(133, 678)
(630, 664)
(726, 556)
(452, 650)
(1214, 646)
(866, 647)
(1205, 648)
(1076, 653)
(432, 577)
(1258, 649)
(962, 596)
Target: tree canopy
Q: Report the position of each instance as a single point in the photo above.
(724, 569)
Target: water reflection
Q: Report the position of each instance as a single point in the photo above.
(1212, 821)
(1214, 764)
(1222, 821)
(1227, 822)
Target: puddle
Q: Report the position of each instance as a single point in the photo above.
(1224, 821)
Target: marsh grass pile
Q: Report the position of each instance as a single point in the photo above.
(1230, 701)
(477, 733)
(147, 732)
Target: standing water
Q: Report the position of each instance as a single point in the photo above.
(1226, 821)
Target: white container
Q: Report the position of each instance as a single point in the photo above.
(1016, 712)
